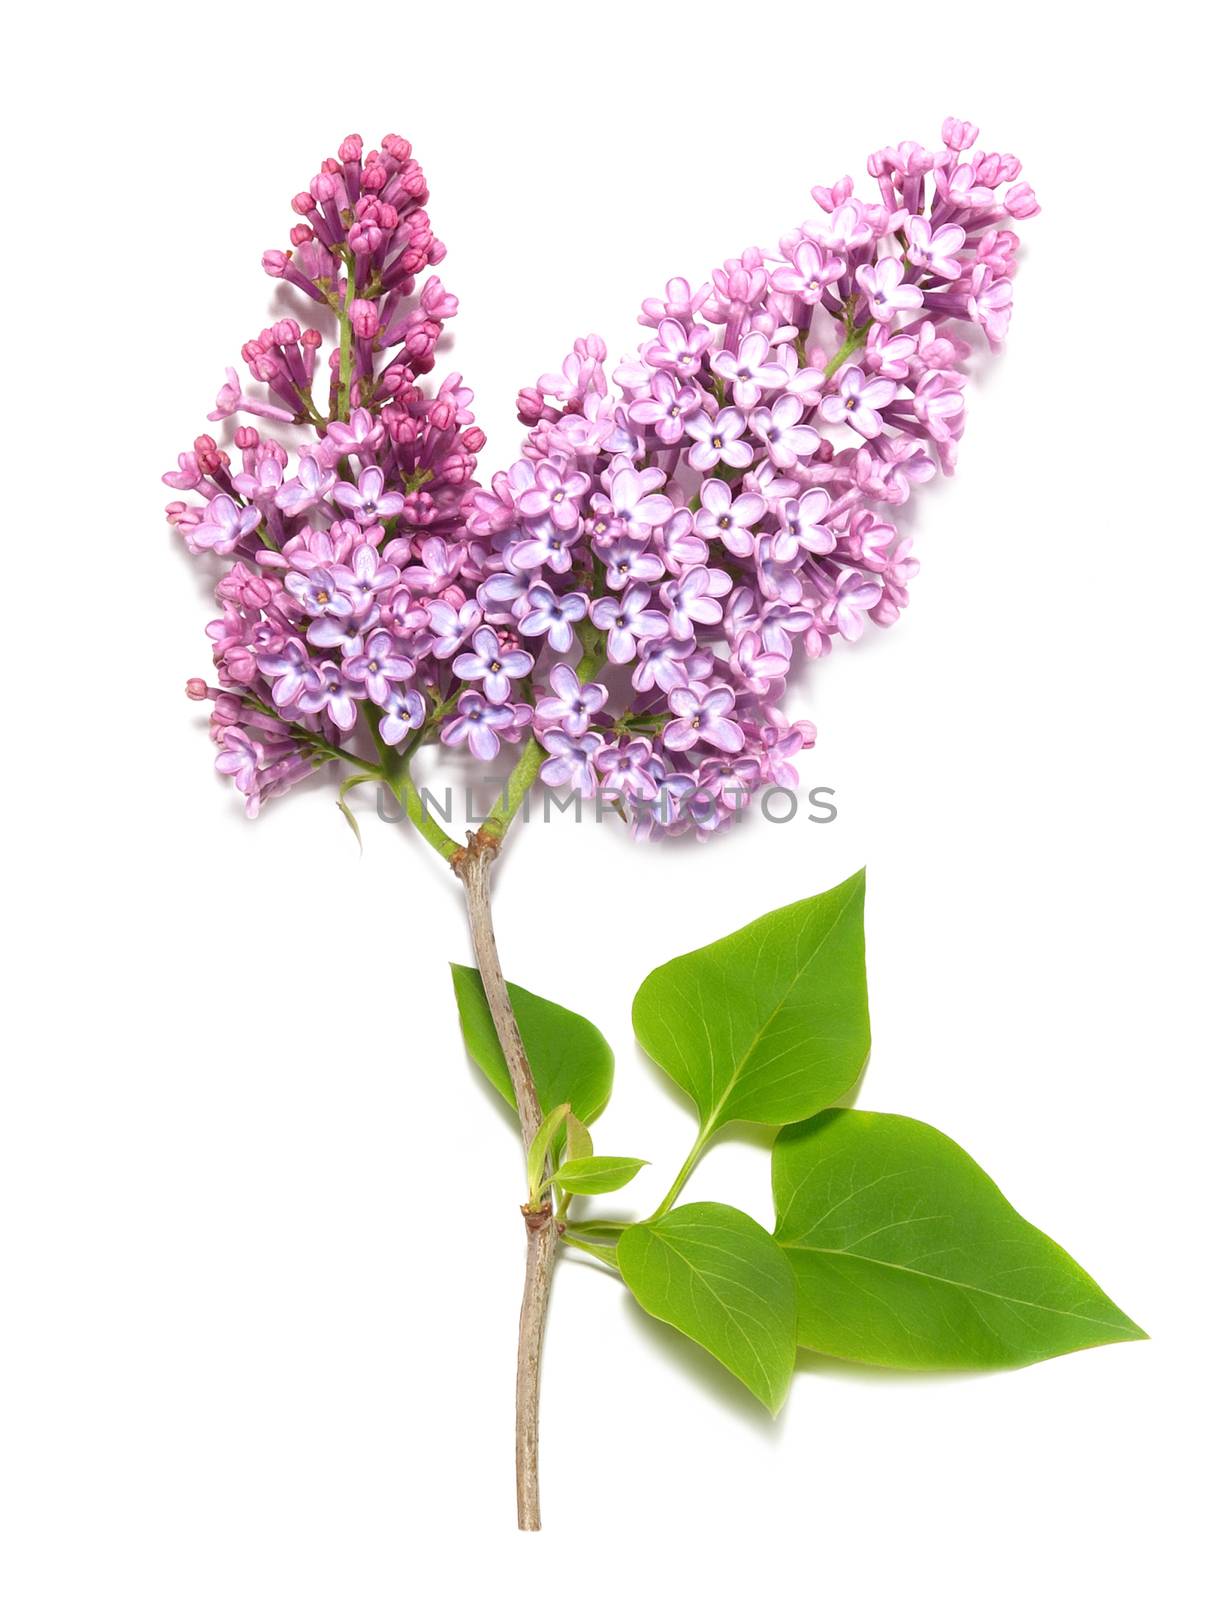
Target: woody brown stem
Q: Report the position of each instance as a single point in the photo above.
(473, 866)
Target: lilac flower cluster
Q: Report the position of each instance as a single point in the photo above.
(316, 622)
(630, 596)
(726, 506)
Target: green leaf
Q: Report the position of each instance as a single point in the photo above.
(711, 1272)
(906, 1254)
(578, 1142)
(538, 1150)
(597, 1174)
(570, 1059)
(341, 800)
(769, 1024)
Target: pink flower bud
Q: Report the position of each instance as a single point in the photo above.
(1020, 201)
(274, 263)
(421, 340)
(197, 689)
(530, 405)
(303, 203)
(351, 148)
(958, 135)
(363, 315)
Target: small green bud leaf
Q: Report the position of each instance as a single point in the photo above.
(539, 1149)
(597, 1174)
(341, 801)
(578, 1142)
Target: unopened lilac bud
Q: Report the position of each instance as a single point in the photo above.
(364, 319)
(421, 340)
(1020, 201)
(530, 405)
(958, 135)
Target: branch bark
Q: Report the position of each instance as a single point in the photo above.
(473, 867)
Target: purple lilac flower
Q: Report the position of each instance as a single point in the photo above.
(859, 402)
(626, 621)
(719, 439)
(366, 499)
(571, 760)
(722, 517)
(571, 704)
(552, 615)
(703, 716)
(402, 712)
(492, 664)
(483, 726)
(748, 370)
(378, 665)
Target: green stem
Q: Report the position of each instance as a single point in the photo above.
(409, 798)
(532, 756)
(315, 741)
(342, 401)
(601, 1252)
(519, 780)
(855, 340)
(705, 1133)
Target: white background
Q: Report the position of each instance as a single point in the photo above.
(260, 1255)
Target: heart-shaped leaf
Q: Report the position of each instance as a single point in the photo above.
(711, 1272)
(769, 1024)
(571, 1061)
(597, 1174)
(906, 1254)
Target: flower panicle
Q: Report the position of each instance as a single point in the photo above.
(634, 591)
